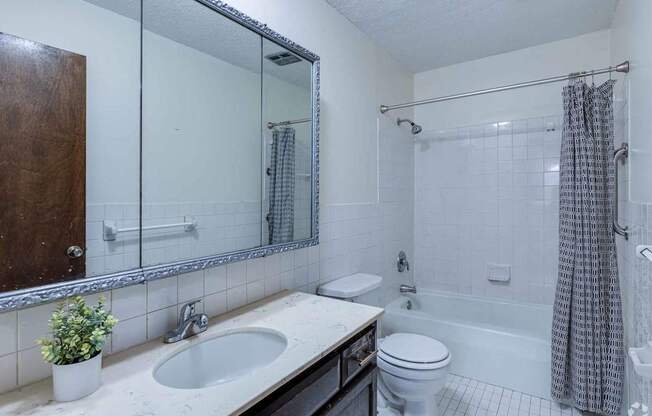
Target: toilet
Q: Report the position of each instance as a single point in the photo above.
(413, 368)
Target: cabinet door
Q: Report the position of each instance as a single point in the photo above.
(305, 394)
(42, 163)
(357, 399)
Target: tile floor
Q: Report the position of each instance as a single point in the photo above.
(467, 397)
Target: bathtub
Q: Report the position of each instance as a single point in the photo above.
(492, 340)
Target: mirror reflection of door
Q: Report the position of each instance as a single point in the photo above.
(42, 163)
(98, 100)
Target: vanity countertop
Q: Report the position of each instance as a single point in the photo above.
(313, 325)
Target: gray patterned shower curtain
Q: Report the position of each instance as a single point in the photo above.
(280, 220)
(587, 330)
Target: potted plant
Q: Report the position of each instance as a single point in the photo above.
(75, 348)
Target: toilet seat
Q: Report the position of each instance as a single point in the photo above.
(413, 352)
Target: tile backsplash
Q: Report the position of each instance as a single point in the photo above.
(147, 311)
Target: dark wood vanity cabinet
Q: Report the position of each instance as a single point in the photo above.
(343, 383)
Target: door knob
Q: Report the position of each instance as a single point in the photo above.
(75, 252)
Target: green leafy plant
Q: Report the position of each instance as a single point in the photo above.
(78, 332)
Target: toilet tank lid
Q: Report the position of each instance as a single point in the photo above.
(350, 286)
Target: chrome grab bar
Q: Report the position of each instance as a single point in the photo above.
(619, 154)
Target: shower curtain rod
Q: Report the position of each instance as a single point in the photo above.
(271, 125)
(623, 67)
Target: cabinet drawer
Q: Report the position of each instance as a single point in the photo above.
(358, 354)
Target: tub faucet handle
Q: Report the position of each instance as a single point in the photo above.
(402, 263)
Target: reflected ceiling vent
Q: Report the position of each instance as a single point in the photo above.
(282, 58)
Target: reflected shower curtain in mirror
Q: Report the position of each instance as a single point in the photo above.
(280, 219)
(587, 330)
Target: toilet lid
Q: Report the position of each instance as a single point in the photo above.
(414, 348)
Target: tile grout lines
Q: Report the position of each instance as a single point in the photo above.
(467, 397)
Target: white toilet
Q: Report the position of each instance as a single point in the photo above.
(413, 368)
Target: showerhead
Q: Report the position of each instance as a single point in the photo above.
(416, 129)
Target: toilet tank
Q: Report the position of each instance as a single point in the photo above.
(351, 286)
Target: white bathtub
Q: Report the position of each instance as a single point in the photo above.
(499, 342)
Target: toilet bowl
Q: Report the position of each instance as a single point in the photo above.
(414, 369)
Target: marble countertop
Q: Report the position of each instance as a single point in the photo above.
(313, 326)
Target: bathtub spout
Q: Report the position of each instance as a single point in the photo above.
(408, 289)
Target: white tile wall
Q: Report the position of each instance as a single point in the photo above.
(162, 293)
(128, 333)
(127, 302)
(159, 322)
(8, 333)
(367, 237)
(33, 324)
(8, 372)
(488, 194)
(215, 279)
(191, 286)
(31, 367)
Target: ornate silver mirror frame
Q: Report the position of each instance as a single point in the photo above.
(33, 296)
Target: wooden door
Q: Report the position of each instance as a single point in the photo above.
(42, 163)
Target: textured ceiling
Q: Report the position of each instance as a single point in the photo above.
(197, 26)
(427, 34)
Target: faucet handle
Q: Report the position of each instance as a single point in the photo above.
(402, 263)
(187, 311)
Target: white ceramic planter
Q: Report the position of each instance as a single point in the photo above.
(74, 381)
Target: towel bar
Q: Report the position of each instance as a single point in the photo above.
(111, 229)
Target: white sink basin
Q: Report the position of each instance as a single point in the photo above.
(220, 359)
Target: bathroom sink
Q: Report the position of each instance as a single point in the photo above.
(220, 359)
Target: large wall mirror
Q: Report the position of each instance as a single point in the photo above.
(142, 139)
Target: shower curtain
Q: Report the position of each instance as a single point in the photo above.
(587, 331)
(280, 219)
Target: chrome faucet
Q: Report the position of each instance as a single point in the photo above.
(407, 289)
(189, 324)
